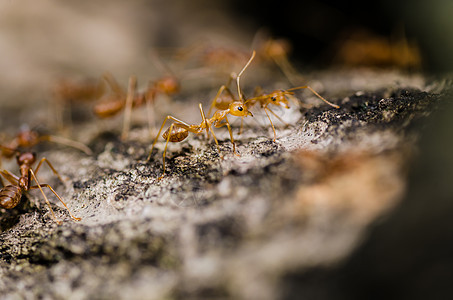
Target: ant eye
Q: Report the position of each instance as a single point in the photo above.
(240, 108)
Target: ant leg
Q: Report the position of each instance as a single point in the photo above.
(231, 135)
(320, 97)
(40, 186)
(216, 141)
(44, 195)
(128, 108)
(13, 179)
(203, 117)
(51, 167)
(111, 81)
(67, 142)
(219, 92)
(165, 152)
(270, 121)
(160, 130)
(227, 123)
(275, 115)
(314, 92)
(293, 99)
(242, 125)
(209, 129)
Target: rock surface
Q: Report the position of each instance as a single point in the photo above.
(252, 226)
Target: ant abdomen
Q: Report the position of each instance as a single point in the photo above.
(10, 196)
(108, 108)
(177, 134)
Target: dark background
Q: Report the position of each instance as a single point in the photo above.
(315, 27)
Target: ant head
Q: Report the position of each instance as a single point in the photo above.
(278, 98)
(239, 109)
(28, 138)
(26, 158)
(168, 84)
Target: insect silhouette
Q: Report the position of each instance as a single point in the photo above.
(10, 195)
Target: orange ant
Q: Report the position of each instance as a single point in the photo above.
(179, 130)
(10, 195)
(119, 100)
(279, 98)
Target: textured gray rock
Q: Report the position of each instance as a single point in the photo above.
(212, 228)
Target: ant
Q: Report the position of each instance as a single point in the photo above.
(269, 51)
(27, 138)
(119, 100)
(178, 131)
(277, 97)
(10, 195)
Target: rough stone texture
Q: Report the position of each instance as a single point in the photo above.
(241, 227)
(346, 204)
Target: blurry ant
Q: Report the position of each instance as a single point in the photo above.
(119, 100)
(269, 50)
(27, 138)
(179, 130)
(71, 90)
(276, 51)
(10, 195)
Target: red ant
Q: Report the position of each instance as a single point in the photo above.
(28, 138)
(10, 195)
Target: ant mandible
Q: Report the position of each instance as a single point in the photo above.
(10, 195)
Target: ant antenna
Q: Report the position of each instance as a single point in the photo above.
(314, 92)
(241, 97)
